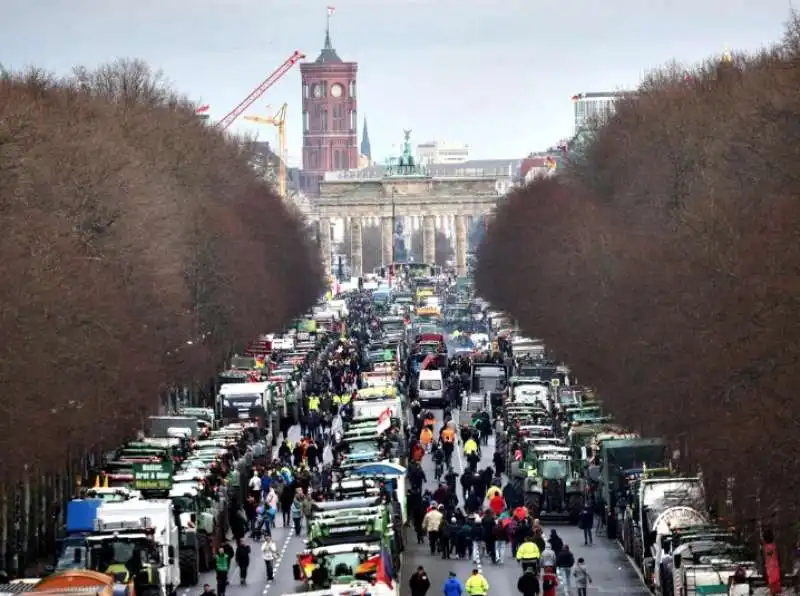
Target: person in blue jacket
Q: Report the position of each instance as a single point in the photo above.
(453, 587)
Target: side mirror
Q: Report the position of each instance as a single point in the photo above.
(298, 575)
(171, 553)
(193, 518)
(677, 559)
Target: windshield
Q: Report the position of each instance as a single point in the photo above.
(73, 555)
(131, 553)
(343, 563)
(359, 447)
(183, 504)
(430, 385)
(243, 363)
(554, 469)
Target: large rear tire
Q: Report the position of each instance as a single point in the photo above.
(188, 560)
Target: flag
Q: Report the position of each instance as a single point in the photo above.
(384, 572)
(331, 10)
(384, 421)
(306, 564)
(203, 108)
(429, 359)
(368, 566)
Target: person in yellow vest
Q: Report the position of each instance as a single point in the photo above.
(470, 446)
(476, 585)
(346, 399)
(313, 403)
(528, 554)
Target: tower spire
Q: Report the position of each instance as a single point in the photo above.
(366, 149)
(328, 44)
(328, 54)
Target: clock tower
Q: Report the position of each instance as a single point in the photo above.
(330, 120)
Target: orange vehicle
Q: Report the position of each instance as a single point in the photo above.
(82, 582)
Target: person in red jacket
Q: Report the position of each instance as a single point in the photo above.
(549, 582)
(497, 504)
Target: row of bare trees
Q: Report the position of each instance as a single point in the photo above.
(128, 228)
(664, 266)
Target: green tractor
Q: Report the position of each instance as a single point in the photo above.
(552, 490)
(198, 527)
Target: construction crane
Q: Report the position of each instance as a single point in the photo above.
(279, 122)
(261, 89)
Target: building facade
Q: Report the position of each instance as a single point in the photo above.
(330, 116)
(594, 107)
(442, 152)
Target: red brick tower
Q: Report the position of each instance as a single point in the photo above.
(330, 119)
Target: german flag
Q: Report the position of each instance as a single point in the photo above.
(368, 566)
(307, 564)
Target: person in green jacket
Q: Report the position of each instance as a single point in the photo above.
(222, 564)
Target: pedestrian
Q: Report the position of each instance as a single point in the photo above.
(586, 523)
(269, 551)
(242, 560)
(581, 576)
(207, 591)
(528, 583)
(528, 554)
(501, 541)
(222, 564)
(555, 542)
(297, 512)
(547, 557)
(255, 487)
(453, 587)
(476, 585)
(431, 523)
(565, 561)
(549, 582)
(419, 582)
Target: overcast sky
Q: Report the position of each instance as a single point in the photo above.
(495, 74)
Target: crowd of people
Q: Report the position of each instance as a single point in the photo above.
(493, 524)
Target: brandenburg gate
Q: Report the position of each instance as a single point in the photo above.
(404, 190)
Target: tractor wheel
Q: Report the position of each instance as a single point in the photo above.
(188, 564)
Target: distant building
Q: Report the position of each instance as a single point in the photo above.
(594, 106)
(442, 152)
(366, 147)
(330, 120)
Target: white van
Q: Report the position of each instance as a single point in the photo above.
(430, 387)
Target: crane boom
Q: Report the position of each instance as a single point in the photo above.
(279, 122)
(261, 89)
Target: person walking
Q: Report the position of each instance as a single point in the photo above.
(453, 587)
(297, 513)
(565, 561)
(242, 560)
(476, 585)
(269, 552)
(432, 523)
(528, 583)
(548, 557)
(586, 523)
(528, 554)
(581, 576)
(549, 582)
(222, 564)
(419, 582)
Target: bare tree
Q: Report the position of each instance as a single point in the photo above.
(666, 273)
